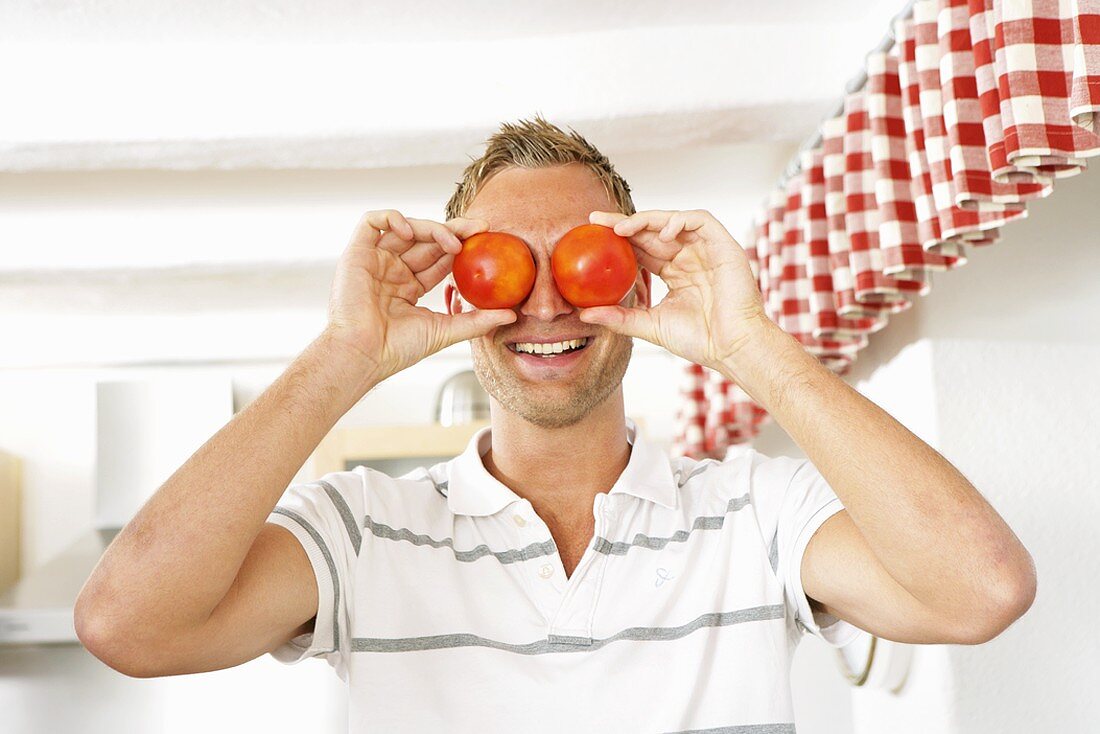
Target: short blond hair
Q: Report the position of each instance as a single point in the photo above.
(537, 144)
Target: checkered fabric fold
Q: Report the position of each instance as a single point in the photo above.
(897, 191)
(861, 218)
(1036, 47)
(824, 321)
(978, 108)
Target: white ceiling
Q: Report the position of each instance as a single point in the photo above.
(288, 84)
(399, 20)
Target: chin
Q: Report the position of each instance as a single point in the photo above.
(550, 421)
(568, 403)
(551, 404)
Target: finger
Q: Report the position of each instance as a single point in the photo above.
(645, 257)
(428, 230)
(635, 322)
(395, 243)
(607, 219)
(649, 242)
(673, 227)
(660, 220)
(434, 274)
(472, 324)
(373, 224)
(423, 255)
(391, 220)
(464, 227)
(653, 219)
(650, 255)
(676, 222)
(655, 265)
(365, 234)
(424, 230)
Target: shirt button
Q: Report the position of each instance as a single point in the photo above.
(519, 520)
(546, 571)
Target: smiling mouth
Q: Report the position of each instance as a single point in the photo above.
(552, 349)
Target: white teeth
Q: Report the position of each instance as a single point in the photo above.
(555, 348)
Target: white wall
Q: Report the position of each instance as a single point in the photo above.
(231, 269)
(297, 84)
(228, 272)
(996, 368)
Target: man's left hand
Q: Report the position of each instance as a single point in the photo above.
(713, 306)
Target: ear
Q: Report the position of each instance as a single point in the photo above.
(642, 287)
(452, 297)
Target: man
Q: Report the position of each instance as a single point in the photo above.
(562, 574)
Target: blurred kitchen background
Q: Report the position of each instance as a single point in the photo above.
(177, 180)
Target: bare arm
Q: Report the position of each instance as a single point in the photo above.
(196, 580)
(918, 555)
(175, 561)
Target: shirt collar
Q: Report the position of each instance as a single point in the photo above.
(472, 490)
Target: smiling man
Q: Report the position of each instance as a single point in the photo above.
(544, 407)
(563, 573)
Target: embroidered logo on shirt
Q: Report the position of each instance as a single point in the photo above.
(662, 576)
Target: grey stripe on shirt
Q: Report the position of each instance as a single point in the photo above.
(542, 647)
(512, 555)
(699, 468)
(345, 514)
(547, 547)
(773, 553)
(331, 568)
(704, 522)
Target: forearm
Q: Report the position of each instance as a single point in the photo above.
(925, 523)
(176, 559)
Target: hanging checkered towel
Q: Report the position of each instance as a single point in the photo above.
(902, 186)
(1045, 64)
(976, 110)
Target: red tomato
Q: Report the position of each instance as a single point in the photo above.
(494, 270)
(593, 266)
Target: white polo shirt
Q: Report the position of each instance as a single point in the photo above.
(444, 604)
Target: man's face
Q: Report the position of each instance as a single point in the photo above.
(539, 206)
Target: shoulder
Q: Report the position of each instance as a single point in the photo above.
(711, 487)
(415, 500)
(420, 488)
(745, 479)
(743, 470)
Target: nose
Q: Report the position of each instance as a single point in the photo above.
(545, 302)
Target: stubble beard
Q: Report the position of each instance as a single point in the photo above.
(557, 406)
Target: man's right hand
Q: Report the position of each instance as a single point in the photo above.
(390, 263)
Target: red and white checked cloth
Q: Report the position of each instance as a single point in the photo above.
(771, 267)
(975, 111)
(1084, 98)
(929, 228)
(795, 286)
(862, 219)
(989, 96)
(713, 414)
(954, 220)
(833, 132)
(896, 189)
(1044, 56)
(962, 115)
(825, 323)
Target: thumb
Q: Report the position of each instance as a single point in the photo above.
(470, 324)
(636, 322)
